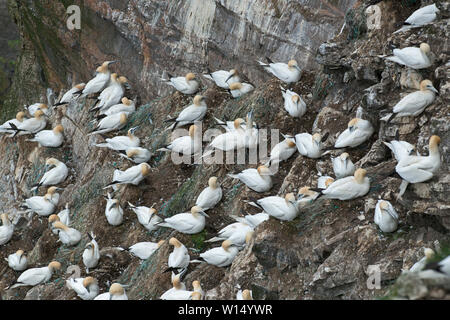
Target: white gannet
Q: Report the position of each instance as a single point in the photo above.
(221, 256)
(64, 215)
(116, 292)
(143, 250)
(420, 265)
(137, 155)
(231, 125)
(179, 258)
(282, 208)
(55, 175)
(385, 216)
(282, 151)
(244, 295)
(251, 136)
(6, 127)
(420, 17)
(343, 166)
(223, 78)
(187, 84)
(210, 196)
(6, 229)
(127, 105)
(253, 220)
(51, 220)
(230, 140)
(357, 132)
(187, 222)
(112, 94)
(177, 286)
(38, 106)
(238, 89)
(43, 206)
(442, 266)
(186, 145)
(235, 232)
(306, 196)
(50, 138)
(401, 149)
(133, 175)
(293, 103)
(258, 180)
(113, 211)
(119, 143)
(288, 73)
(324, 181)
(415, 103)
(86, 288)
(415, 169)
(348, 188)
(17, 261)
(190, 114)
(310, 145)
(182, 294)
(91, 253)
(68, 236)
(30, 126)
(111, 123)
(100, 81)
(72, 94)
(146, 216)
(413, 57)
(35, 276)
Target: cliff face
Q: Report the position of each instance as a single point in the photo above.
(324, 253)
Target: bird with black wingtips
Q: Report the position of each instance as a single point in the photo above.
(100, 81)
(133, 175)
(71, 95)
(288, 73)
(192, 113)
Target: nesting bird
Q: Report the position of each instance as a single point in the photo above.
(288, 73)
(55, 175)
(100, 81)
(43, 206)
(223, 78)
(401, 149)
(258, 180)
(420, 17)
(128, 106)
(210, 196)
(282, 151)
(357, 132)
(244, 295)
(221, 256)
(385, 216)
(110, 123)
(32, 109)
(137, 155)
(68, 236)
(91, 253)
(17, 261)
(177, 293)
(6, 127)
(238, 89)
(343, 166)
(143, 250)
(35, 276)
(293, 103)
(230, 140)
(6, 229)
(146, 216)
(310, 145)
(133, 175)
(29, 126)
(186, 145)
(50, 138)
(112, 94)
(190, 114)
(179, 258)
(116, 292)
(283, 208)
(413, 57)
(187, 222)
(348, 188)
(236, 233)
(178, 287)
(71, 95)
(113, 211)
(120, 143)
(253, 220)
(186, 85)
(86, 288)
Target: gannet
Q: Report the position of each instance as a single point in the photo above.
(146, 216)
(420, 265)
(68, 236)
(35, 276)
(17, 261)
(116, 292)
(6, 229)
(37, 106)
(230, 125)
(112, 94)
(119, 143)
(178, 286)
(187, 222)
(182, 294)
(283, 208)
(136, 154)
(357, 132)
(190, 114)
(385, 216)
(91, 253)
(86, 288)
(113, 211)
(413, 57)
(235, 232)
(50, 138)
(282, 151)
(251, 133)
(343, 166)
(100, 81)
(221, 256)
(258, 180)
(253, 220)
(238, 89)
(51, 220)
(133, 175)
(6, 127)
(420, 17)
(415, 103)
(401, 149)
(186, 145)
(72, 94)
(415, 169)
(143, 250)
(229, 140)
(349, 187)
(288, 73)
(55, 175)
(186, 85)
(324, 181)
(306, 196)
(43, 206)
(293, 103)
(310, 145)
(244, 295)
(179, 258)
(442, 266)
(64, 215)
(111, 123)
(29, 126)
(210, 196)
(127, 105)
(223, 78)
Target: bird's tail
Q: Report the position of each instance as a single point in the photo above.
(215, 239)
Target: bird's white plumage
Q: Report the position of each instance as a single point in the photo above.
(355, 134)
(133, 175)
(293, 103)
(223, 78)
(386, 217)
(111, 123)
(219, 256)
(6, 230)
(113, 211)
(254, 180)
(308, 145)
(185, 222)
(84, 293)
(283, 72)
(412, 57)
(279, 207)
(143, 250)
(146, 216)
(400, 149)
(343, 166)
(139, 155)
(347, 188)
(209, 197)
(17, 262)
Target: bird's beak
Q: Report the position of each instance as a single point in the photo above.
(300, 196)
(112, 62)
(203, 213)
(298, 68)
(435, 90)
